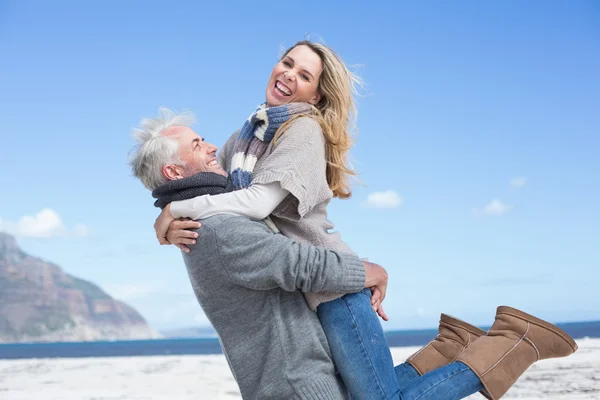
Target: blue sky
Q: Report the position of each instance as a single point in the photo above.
(480, 120)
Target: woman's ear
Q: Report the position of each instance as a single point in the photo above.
(315, 99)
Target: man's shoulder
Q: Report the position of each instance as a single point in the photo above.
(222, 231)
(226, 236)
(223, 225)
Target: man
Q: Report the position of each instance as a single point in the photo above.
(249, 280)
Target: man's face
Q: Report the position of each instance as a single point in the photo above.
(196, 154)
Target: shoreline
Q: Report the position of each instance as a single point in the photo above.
(204, 377)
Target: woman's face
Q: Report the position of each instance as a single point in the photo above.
(295, 78)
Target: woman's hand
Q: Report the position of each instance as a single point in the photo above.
(180, 235)
(376, 280)
(162, 223)
(376, 277)
(376, 300)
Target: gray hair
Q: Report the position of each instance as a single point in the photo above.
(153, 151)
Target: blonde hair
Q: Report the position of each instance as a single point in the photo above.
(336, 113)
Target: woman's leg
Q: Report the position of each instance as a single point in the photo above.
(362, 356)
(514, 342)
(405, 373)
(358, 346)
(451, 382)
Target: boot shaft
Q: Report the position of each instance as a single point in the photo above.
(454, 335)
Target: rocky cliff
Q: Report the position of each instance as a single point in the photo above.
(39, 302)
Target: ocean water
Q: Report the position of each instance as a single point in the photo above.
(577, 330)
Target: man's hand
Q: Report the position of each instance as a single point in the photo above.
(161, 225)
(377, 280)
(180, 233)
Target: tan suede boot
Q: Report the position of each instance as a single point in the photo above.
(515, 341)
(454, 336)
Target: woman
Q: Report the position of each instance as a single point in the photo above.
(293, 151)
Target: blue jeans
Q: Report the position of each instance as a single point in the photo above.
(362, 356)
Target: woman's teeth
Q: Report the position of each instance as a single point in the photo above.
(283, 89)
(212, 163)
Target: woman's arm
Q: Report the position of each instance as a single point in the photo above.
(298, 163)
(256, 202)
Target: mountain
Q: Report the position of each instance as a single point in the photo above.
(190, 333)
(41, 303)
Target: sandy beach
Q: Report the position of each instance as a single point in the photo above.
(208, 377)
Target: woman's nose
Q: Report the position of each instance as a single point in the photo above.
(289, 75)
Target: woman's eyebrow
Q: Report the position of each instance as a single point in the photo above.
(303, 70)
(308, 72)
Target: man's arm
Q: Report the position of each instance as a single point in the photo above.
(254, 257)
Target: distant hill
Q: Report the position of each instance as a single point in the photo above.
(190, 333)
(39, 303)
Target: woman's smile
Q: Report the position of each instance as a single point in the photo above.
(282, 89)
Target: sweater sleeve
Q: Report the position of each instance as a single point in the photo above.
(254, 257)
(256, 202)
(297, 161)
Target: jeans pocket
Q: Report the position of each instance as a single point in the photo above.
(366, 292)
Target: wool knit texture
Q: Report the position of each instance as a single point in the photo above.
(190, 187)
(248, 282)
(254, 137)
(297, 162)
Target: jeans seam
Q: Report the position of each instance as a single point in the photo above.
(364, 352)
(440, 382)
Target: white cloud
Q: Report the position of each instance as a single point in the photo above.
(45, 224)
(130, 291)
(387, 199)
(518, 182)
(493, 208)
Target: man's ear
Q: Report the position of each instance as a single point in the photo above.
(171, 172)
(315, 99)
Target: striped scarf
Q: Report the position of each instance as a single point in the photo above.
(255, 136)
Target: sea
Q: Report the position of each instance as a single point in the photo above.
(156, 347)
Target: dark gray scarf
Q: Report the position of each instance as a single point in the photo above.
(188, 188)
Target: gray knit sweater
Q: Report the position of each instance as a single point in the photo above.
(248, 281)
(297, 162)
